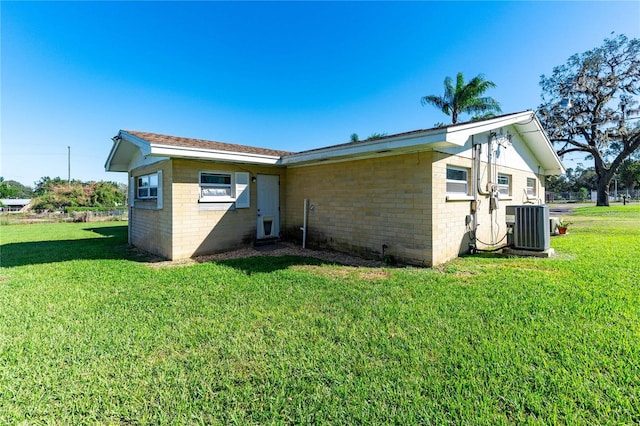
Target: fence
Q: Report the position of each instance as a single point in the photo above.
(586, 197)
(75, 216)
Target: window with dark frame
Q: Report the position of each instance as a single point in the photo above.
(216, 186)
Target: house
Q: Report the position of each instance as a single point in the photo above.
(421, 197)
(14, 205)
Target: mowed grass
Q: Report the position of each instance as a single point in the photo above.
(92, 334)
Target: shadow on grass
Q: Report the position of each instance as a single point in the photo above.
(267, 264)
(112, 244)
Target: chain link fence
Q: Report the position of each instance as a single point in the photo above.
(586, 197)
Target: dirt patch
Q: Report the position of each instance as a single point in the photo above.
(289, 249)
(277, 250)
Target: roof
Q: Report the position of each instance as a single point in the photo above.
(129, 143)
(451, 136)
(15, 201)
(408, 134)
(158, 139)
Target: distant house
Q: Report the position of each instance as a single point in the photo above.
(17, 205)
(421, 197)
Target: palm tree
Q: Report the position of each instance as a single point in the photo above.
(464, 98)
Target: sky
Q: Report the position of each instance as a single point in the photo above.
(284, 75)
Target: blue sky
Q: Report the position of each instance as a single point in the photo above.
(285, 75)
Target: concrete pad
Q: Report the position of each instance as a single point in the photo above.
(529, 253)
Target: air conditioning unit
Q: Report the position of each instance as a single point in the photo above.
(528, 227)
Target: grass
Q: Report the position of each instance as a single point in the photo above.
(90, 333)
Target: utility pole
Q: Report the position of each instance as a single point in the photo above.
(69, 165)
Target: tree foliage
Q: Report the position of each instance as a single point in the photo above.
(56, 194)
(579, 179)
(630, 173)
(6, 191)
(376, 136)
(603, 86)
(21, 191)
(464, 97)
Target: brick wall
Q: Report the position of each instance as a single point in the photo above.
(355, 206)
(198, 228)
(150, 226)
(450, 232)
(358, 206)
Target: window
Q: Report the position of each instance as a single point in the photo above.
(504, 184)
(147, 186)
(225, 187)
(531, 186)
(457, 180)
(216, 186)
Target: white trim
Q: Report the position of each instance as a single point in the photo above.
(533, 187)
(457, 181)
(208, 154)
(132, 191)
(421, 141)
(508, 185)
(539, 144)
(526, 124)
(461, 197)
(148, 188)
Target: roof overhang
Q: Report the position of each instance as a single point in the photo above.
(126, 145)
(124, 148)
(208, 154)
(415, 141)
(526, 123)
(531, 131)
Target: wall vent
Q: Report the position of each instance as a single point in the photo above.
(529, 227)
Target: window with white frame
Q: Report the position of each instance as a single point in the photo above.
(216, 186)
(531, 186)
(147, 186)
(457, 180)
(504, 184)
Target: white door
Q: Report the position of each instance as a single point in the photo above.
(268, 206)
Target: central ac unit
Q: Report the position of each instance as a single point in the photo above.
(528, 227)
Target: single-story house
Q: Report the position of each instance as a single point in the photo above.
(14, 205)
(421, 197)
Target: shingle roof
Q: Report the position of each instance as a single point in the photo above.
(412, 132)
(229, 147)
(159, 139)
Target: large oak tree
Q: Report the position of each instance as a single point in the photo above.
(602, 86)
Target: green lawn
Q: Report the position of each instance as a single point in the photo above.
(91, 333)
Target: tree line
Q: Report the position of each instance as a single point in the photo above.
(584, 179)
(56, 194)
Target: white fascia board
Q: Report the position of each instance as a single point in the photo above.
(536, 138)
(202, 154)
(145, 146)
(125, 145)
(460, 134)
(413, 142)
(114, 148)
